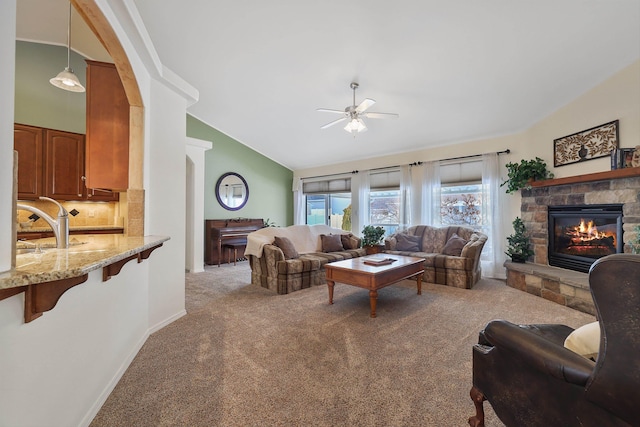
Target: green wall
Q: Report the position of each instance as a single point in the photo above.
(38, 102)
(270, 194)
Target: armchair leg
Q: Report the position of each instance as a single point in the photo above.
(478, 398)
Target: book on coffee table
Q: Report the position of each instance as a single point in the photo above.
(379, 261)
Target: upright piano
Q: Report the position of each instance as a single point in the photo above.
(219, 231)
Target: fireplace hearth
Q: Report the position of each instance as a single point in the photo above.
(580, 234)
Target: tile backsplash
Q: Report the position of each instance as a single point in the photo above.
(89, 213)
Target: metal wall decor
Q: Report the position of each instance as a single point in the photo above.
(588, 144)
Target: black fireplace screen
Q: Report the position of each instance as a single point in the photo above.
(579, 235)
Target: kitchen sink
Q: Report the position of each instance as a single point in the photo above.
(21, 251)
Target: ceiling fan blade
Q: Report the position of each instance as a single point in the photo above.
(373, 115)
(364, 105)
(328, 110)
(333, 122)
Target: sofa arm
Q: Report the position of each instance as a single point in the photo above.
(473, 250)
(390, 243)
(538, 352)
(272, 255)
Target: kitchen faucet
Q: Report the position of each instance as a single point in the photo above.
(60, 226)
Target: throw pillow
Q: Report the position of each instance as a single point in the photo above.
(331, 243)
(349, 241)
(407, 242)
(454, 245)
(585, 340)
(287, 247)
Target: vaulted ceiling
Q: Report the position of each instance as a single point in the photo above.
(453, 70)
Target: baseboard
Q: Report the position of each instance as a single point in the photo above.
(167, 321)
(95, 408)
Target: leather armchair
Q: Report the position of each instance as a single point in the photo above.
(531, 379)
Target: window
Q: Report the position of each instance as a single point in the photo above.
(384, 200)
(329, 202)
(331, 209)
(461, 194)
(384, 210)
(461, 205)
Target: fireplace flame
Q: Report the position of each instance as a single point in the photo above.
(585, 232)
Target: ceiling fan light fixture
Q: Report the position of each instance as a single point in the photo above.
(355, 126)
(353, 113)
(66, 79)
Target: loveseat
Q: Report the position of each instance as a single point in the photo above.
(287, 259)
(451, 254)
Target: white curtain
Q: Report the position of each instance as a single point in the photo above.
(430, 200)
(360, 185)
(405, 198)
(492, 258)
(417, 178)
(299, 208)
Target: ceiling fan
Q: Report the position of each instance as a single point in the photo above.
(355, 113)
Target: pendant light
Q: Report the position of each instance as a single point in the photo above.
(66, 79)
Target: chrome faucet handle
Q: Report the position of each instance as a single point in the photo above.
(62, 211)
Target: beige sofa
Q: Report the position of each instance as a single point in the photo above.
(447, 260)
(276, 268)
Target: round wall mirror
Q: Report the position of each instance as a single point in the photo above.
(232, 191)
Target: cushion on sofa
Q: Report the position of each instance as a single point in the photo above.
(287, 247)
(407, 242)
(585, 340)
(331, 243)
(454, 245)
(349, 241)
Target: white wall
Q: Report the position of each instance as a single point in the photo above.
(164, 178)
(617, 98)
(7, 71)
(194, 256)
(59, 369)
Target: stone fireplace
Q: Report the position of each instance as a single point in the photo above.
(618, 189)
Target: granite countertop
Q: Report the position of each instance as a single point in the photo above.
(85, 253)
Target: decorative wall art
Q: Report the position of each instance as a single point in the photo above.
(588, 144)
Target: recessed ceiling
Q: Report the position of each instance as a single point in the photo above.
(454, 71)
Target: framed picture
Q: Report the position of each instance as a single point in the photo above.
(623, 158)
(628, 157)
(588, 144)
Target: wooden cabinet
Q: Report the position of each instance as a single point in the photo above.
(107, 150)
(27, 141)
(64, 165)
(51, 163)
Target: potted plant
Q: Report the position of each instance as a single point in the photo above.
(519, 245)
(521, 174)
(371, 238)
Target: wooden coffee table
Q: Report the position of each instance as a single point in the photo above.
(356, 273)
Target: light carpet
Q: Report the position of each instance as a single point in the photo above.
(244, 356)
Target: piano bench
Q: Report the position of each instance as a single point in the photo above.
(233, 245)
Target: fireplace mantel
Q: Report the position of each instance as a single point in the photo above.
(598, 176)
